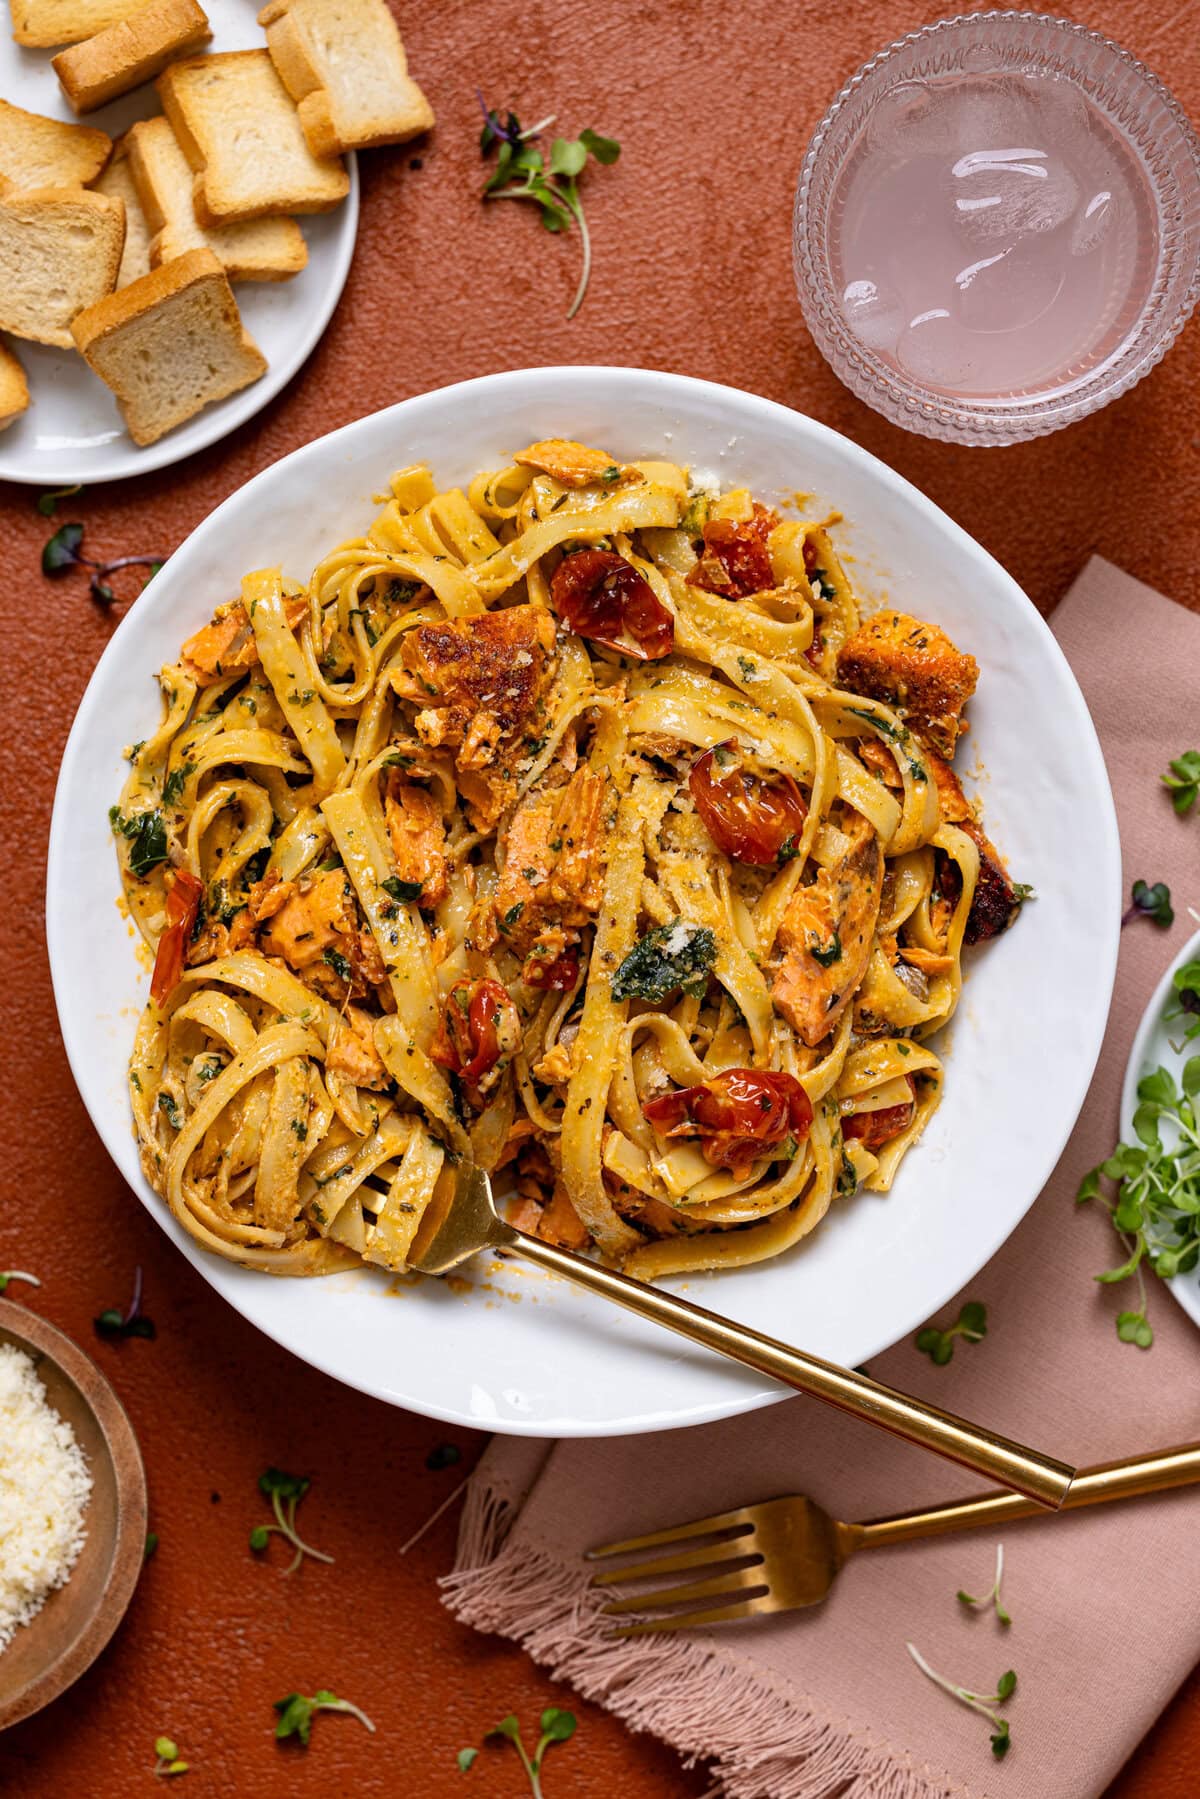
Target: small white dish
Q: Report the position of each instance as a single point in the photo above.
(72, 431)
(1152, 1047)
(516, 1351)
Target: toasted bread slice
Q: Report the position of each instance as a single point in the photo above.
(256, 250)
(60, 250)
(134, 50)
(241, 134)
(14, 389)
(118, 183)
(344, 65)
(44, 23)
(169, 344)
(38, 152)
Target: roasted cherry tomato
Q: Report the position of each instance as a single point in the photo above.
(183, 909)
(738, 1115)
(747, 817)
(557, 974)
(479, 1024)
(735, 561)
(874, 1129)
(600, 595)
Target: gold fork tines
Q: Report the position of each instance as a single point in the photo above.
(786, 1553)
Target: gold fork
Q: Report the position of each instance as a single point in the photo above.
(461, 1219)
(787, 1553)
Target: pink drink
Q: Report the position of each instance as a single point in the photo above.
(992, 235)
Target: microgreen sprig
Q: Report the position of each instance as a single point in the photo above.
(297, 1711)
(63, 551)
(984, 1703)
(1186, 1004)
(992, 1596)
(1183, 781)
(285, 1491)
(1150, 902)
(556, 1727)
(167, 1757)
(1156, 1206)
(970, 1325)
(47, 503)
(114, 1325)
(551, 182)
(15, 1274)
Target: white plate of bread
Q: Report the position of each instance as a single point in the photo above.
(178, 210)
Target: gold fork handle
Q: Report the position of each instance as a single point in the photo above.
(1045, 1480)
(1131, 1478)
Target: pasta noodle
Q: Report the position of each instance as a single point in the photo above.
(578, 823)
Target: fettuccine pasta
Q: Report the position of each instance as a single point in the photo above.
(577, 823)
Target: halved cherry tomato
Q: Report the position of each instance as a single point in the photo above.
(747, 817)
(738, 1115)
(183, 909)
(874, 1129)
(479, 1023)
(735, 560)
(601, 596)
(557, 975)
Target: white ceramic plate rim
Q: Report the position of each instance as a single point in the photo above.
(1090, 1014)
(1185, 1287)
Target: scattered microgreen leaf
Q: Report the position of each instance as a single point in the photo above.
(285, 1491)
(1186, 1004)
(15, 1274)
(402, 890)
(1183, 781)
(1151, 1188)
(47, 503)
(1150, 902)
(970, 1325)
(984, 1703)
(151, 1545)
(555, 1725)
(992, 1596)
(64, 551)
(167, 1757)
(114, 1325)
(550, 182)
(296, 1713)
(146, 834)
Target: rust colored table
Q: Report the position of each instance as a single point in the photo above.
(713, 105)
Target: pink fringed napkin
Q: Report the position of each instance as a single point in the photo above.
(1105, 1621)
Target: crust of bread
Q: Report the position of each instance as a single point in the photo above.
(44, 281)
(240, 132)
(40, 152)
(14, 389)
(40, 24)
(270, 249)
(167, 293)
(304, 38)
(130, 52)
(118, 183)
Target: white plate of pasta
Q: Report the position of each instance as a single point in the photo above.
(571, 769)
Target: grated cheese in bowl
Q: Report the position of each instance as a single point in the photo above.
(44, 1487)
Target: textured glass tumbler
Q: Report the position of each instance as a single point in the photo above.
(1138, 108)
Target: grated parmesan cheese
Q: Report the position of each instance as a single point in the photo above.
(44, 1486)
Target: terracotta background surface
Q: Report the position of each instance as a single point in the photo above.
(713, 105)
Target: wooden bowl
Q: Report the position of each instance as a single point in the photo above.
(48, 1654)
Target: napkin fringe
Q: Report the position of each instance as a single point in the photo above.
(704, 1699)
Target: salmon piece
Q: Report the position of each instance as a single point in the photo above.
(318, 916)
(915, 669)
(571, 463)
(831, 921)
(553, 873)
(995, 902)
(480, 681)
(268, 896)
(418, 837)
(352, 1051)
(880, 761)
(228, 645)
(560, 1223)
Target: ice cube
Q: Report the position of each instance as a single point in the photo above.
(999, 195)
(1008, 290)
(874, 316)
(936, 350)
(911, 119)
